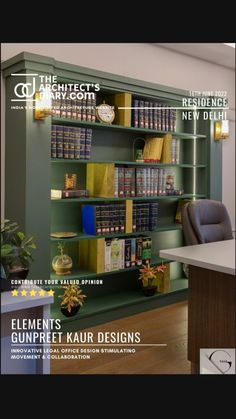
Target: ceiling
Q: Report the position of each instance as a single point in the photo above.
(213, 52)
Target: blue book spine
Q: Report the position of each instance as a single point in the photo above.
(89, 219)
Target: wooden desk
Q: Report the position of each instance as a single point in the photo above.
(22, 307)
(211, 295)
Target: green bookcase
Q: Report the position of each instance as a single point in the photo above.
(31, 173)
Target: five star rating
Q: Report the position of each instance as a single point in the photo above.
(32, 293)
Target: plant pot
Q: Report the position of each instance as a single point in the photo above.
(20, 273)
(73, 312)
(149, 291)
(5, 284)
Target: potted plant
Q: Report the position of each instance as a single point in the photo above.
(149, 277)
(6, 251)
(16, 252)
(72, 300)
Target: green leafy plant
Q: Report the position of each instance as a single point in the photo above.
(7, 229)
(72, 297)
(61, 246)
(16, 247)
(148, 274)
(23, 245)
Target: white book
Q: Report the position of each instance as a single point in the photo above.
(115, 255)
(122, 253)
(107, 255)
(56, 194)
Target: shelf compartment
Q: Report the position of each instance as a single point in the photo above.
(83, 273)
(106, 303)
(97, 125)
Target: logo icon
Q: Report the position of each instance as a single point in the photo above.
(24, 91)
(217, 361)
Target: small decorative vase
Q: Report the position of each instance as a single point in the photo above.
(62, 264)
(73, 311)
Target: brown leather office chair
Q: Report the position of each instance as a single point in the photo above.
(205, 221)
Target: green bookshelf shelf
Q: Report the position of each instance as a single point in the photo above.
(115, 301)
(84, 274)
(83, 236)
(129, 163)
(146, 198)
(97, 125)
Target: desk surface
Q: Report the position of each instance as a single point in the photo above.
(10, 303)
(217, 256)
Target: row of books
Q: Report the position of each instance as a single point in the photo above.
(164, 150)
(111, 218)
(69, 193)
(126, 253)
(103, 219)
(77, 109)
(153, 115)
(70, 142)
(175, 151)
(145, 216)
(139, 182)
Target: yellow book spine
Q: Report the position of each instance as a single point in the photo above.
(123, 100)
(90, 179)
(163, 280)
(123, 115)
(97, 255)
(129, 216)
(167, 149)
(100, 179)
(92, 255)
(153, 148)
(83, 254)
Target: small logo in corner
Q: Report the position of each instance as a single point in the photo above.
(217, 361)
(24, 91)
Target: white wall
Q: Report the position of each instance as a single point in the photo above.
(155, 64)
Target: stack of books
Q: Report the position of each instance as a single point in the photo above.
(70, 142)
(69, 193)
(77, 109)
(103, 219)
(153, 115)
(170, 150)
(145, 216)
(139, 182)
(127, 252)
